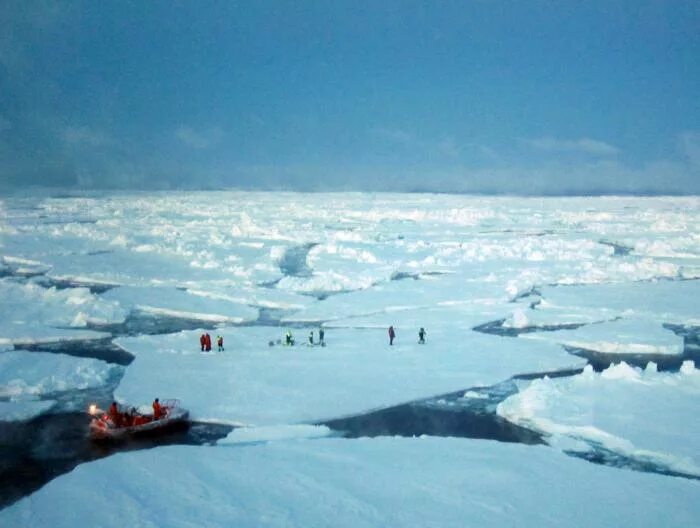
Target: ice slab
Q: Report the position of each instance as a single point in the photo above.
(635, 413)
(664, 300)
(25, 377)
(29, 375)
(363, 483)
(247, 435)
(622, 336)
(182, 303)
(254, 383)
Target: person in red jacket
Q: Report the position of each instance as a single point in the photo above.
(392, 335)
(157, 411)
(207, 338)
(202, 341)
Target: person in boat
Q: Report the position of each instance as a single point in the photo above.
(421, 335)
(220, 343)
(129, 417)
(157, 410)
(202, 341)
(114, 414)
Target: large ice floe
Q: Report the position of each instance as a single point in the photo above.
(254, 383)
(538, 277)
(356, 483)
(643, 415)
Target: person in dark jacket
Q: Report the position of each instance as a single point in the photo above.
(220, 343)
(421, 335)
(392, 335)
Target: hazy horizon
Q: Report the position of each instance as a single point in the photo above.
(494, 98)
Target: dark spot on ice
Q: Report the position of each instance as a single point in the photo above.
(64, 284)
(269, 284)
(103, 349)
(140, 322)
(497, 328)
(401, 275)
(620, 250)
(529, 293)
(293, 262)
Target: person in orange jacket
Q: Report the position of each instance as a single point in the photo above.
(202, 341)
(157, 411)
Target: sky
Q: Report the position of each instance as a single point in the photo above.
(480, 96)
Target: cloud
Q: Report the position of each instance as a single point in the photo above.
(82, 135)
(202, 139)
(690, 147)
(583, 146)
(394, 135)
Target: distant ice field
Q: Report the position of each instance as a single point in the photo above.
(537, 277)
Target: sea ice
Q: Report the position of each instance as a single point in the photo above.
(363, 483)
(636, 413)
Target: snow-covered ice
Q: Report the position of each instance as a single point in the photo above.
(612, 270)
(425, 481)
(26, 377)
(643, 414)
(257, 384)
(620, 336)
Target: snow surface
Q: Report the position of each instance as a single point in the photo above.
(637, 413)
(257, 384)
(380, 482)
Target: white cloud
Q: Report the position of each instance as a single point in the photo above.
(584, 146)
(201, 139)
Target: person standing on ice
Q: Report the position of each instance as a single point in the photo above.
(207, 342)
(203, 341)
(311, 337)
(421, 336)
(220, 343)
(321, 335)
(392, 335)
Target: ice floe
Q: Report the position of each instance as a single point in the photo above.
(640, 414)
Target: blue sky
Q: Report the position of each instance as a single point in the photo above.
(468, 96)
